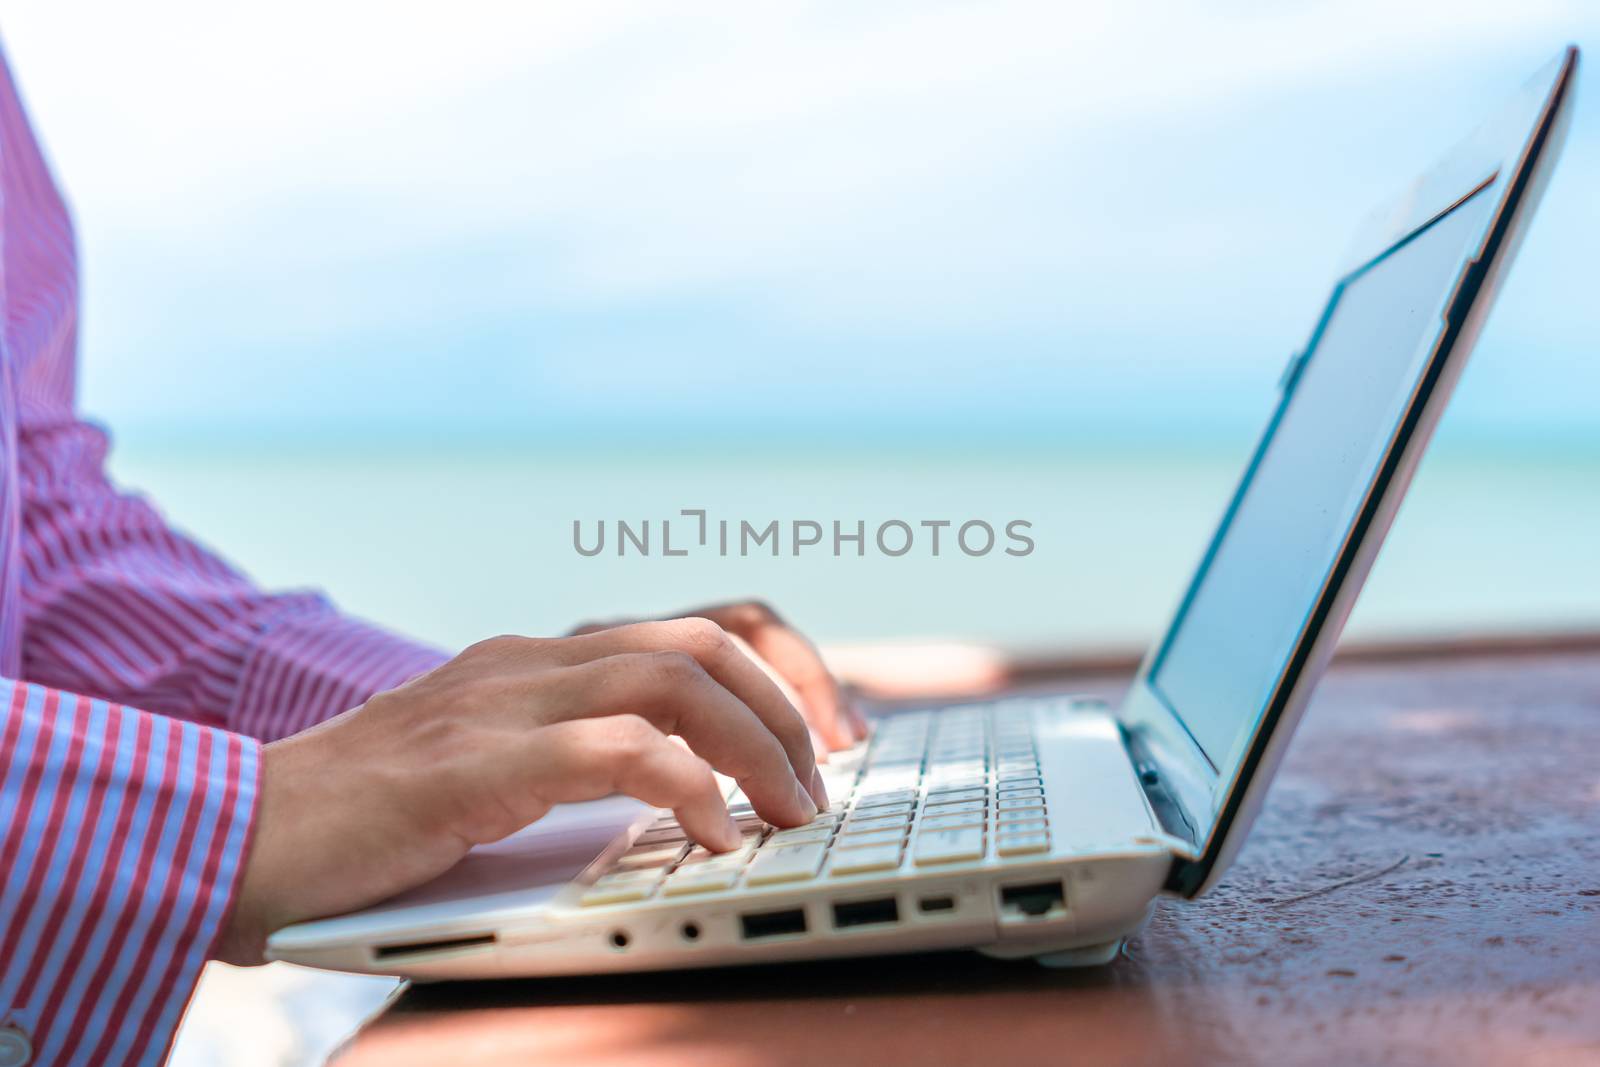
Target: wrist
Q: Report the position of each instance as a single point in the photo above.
(327, 836)
(242, 938)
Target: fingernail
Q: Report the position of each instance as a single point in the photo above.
(819, 792)
(807, 806)
(731, 836)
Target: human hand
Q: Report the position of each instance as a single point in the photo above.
(791, 660)
(393, 793)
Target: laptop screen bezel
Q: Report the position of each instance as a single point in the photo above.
(1508, 159)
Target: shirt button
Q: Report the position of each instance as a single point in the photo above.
(15, 1048)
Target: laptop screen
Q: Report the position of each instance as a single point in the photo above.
(1260, 580)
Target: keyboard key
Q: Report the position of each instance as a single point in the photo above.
(700, 857)
(823, 819)
(872, 832)
(628, 877)
(1010, 820)
(702, 879)
(897, 757)
(1018, 803)
(877, 810)
(803, 835)
(871, 837)
(955, 807)
(888, 779)
(1016, 791)
(957, 770)
(948, 846)
(795, 863)
(937, 820)
(948, 788)
(899, 793)
(648, 857)
(888, 796)
(660, 837)
(1022, 844)
(869, 820)
(620, 886)
(861, 860)
(953, 795)
(1019, 781)
(1025, 825)
(616, 894)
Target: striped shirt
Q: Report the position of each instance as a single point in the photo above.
(139, 675)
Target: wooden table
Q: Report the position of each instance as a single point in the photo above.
(1423, 887)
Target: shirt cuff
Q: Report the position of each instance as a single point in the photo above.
(305, 668)
(123, 835)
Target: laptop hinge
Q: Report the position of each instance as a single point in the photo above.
(1164, 803)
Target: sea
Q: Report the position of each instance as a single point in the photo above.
(453, 538)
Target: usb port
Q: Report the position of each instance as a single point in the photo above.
(865, 913)
(762, 924)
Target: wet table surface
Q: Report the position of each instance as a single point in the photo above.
(1423, 886)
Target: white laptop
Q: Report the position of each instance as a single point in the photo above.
(1031, 826)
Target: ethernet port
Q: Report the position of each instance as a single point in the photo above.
(1032, 900)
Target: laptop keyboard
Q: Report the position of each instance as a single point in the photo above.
(934, 789)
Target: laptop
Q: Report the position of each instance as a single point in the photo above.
(1046, 827)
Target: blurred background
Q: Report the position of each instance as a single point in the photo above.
(382, 297)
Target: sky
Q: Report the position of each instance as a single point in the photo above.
(625, 218)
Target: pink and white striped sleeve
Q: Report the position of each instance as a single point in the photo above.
(119, 605)
(124, 837)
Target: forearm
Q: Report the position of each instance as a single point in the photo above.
(119, 604)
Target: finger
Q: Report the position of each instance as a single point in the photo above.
(798, 661)
(585, 759)
(714, 650)
(753, 617)
(819, 748)
(858, 719)
(675, 695)
(593, 627)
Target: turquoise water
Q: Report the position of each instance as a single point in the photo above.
(453, 541)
